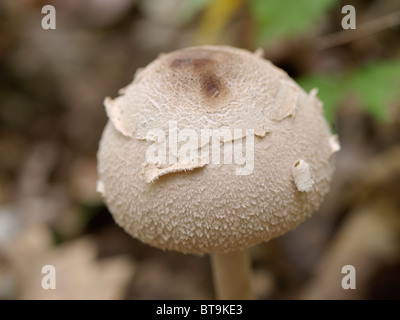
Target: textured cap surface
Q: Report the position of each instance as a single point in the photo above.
(206, 207)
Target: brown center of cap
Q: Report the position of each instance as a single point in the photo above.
(203, 65)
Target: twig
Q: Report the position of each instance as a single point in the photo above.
(369, 28)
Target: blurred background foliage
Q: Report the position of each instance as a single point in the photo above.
(276, 20)
(52, 87)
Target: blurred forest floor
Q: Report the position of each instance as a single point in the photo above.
(52, 87)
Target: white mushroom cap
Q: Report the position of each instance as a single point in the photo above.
(205, 207)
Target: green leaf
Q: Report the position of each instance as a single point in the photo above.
(330, 92)
(377, 86)
(278, 19)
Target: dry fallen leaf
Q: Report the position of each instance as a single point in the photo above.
(79, 275)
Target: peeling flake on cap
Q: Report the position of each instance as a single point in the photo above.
(285, 101)
(302, 176)
(151, 172)
(313, 93)
(313, 96)
(261, 133)
(259, 53)
(114, 113)
(100, 188)
(334, 143)
(123, 90)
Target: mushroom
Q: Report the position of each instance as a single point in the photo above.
(164, 182)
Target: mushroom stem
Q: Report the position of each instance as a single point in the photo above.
(231, 273)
